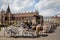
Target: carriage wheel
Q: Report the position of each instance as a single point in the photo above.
(7, 33)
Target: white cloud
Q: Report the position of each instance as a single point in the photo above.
(48, 7)
(47, 12)
(17, 5)
(5, 4)
(45, 7)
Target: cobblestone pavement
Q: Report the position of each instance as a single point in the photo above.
(51, 36)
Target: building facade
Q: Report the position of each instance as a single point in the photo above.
(9, 18)
(56, 19)
(52, 19)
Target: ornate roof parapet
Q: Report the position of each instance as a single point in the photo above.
(28, 12)
(23, 11)
(36, 11)
(2, 11)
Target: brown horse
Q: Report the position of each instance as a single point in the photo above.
(33, 27)
(37, 29)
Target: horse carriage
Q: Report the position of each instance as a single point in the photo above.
(19, 30)
(49, 27)
(23, 30)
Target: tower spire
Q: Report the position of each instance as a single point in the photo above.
(8, 10)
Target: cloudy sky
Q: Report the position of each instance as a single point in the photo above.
(45, 7)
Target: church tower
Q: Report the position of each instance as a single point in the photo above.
(8, 10)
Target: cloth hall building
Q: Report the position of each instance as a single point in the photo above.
(11, 18)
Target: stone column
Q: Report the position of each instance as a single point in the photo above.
(3, 19)
(9, 18)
